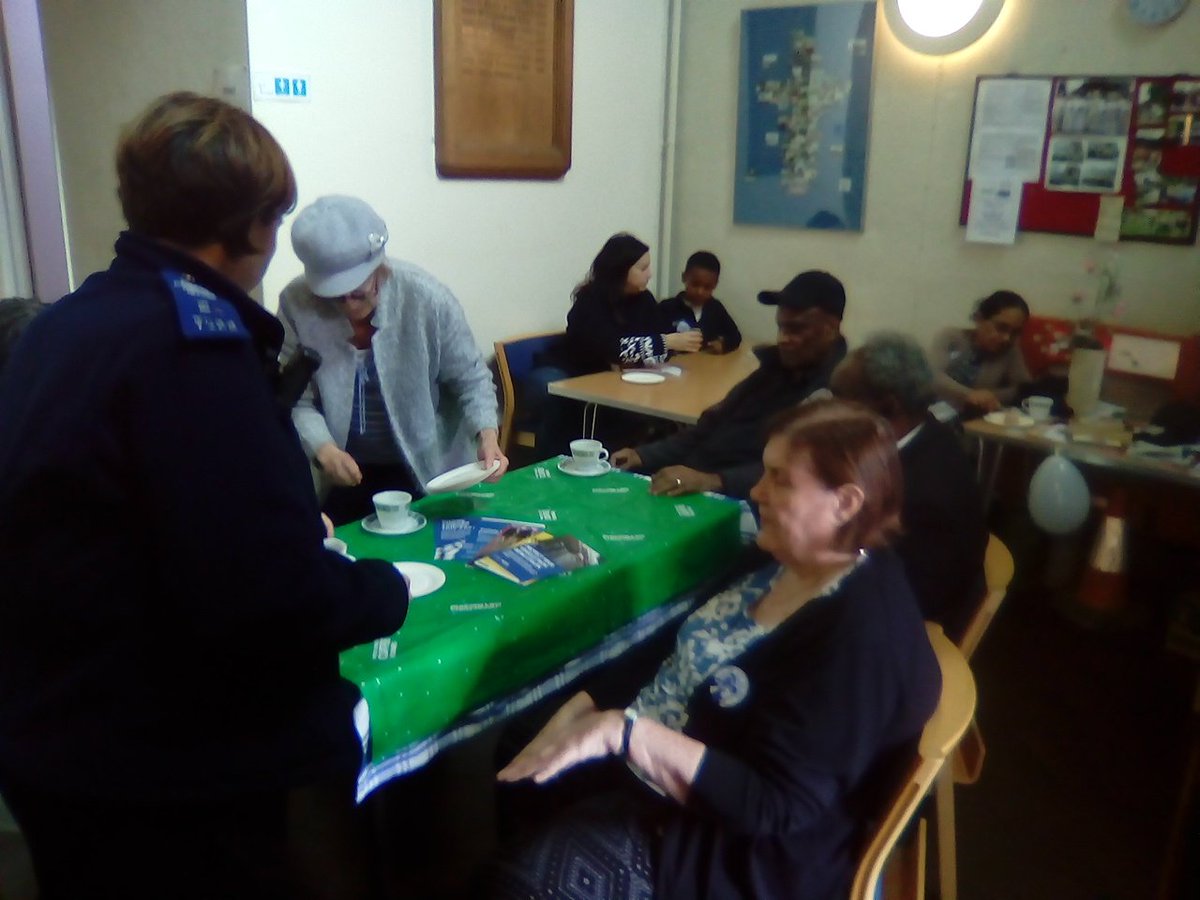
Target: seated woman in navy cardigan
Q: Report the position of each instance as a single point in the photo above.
(777, 727)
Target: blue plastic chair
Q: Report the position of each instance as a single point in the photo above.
(515, 360)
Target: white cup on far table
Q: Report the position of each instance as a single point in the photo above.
(391, 508)
(587, 454)
(1038, 408)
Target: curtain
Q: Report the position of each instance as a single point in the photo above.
(15, 275)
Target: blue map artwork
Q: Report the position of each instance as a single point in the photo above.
(803, 114)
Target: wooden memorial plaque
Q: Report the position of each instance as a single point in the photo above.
(503, 87)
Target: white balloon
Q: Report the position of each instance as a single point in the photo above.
(1059, 500)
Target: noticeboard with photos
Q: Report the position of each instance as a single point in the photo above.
(1081, 144)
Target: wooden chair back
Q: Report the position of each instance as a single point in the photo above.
(941, 735)
(997, 574)
(514, 360)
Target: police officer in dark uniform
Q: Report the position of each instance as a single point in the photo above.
(170, 622)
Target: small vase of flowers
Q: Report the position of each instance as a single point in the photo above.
(1088, 356)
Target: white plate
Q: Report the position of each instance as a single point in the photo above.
(1008, 418)
(461, 478)
(416, 522)
(422, 578)
(568, 467)
(636, 377)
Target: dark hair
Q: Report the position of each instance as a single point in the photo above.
(998, 302)
(702, 259)
(195, 171)
(611, 266)
(15, 314)
(846, 443)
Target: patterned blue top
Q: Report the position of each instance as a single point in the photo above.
(719, 631)
(371, 439)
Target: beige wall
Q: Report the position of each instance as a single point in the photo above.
(910, 268)
(106, 60)
(510, 250)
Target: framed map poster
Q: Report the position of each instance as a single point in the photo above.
(804, 104)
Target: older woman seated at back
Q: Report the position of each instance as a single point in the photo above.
(773, 732)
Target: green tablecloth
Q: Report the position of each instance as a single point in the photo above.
(481, 637)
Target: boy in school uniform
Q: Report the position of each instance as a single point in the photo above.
(695, 307)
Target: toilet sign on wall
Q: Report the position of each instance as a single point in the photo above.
(280, 85)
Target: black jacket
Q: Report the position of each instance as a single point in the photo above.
(729, 437)
(170, 623)
(945, 535)
(601, 333)
(714, 323)
(838, 695)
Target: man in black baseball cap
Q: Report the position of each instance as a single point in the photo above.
(809, 317)
(723, 450)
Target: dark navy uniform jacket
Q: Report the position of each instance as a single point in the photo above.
(169, 621)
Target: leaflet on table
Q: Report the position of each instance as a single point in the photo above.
(539, 556)
(469, 538)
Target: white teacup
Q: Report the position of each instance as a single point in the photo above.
(587, 454)
(391, 508)
(1038, 408)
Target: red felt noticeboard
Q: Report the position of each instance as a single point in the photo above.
(1149, 126)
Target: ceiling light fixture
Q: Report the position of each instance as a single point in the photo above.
(937, 27)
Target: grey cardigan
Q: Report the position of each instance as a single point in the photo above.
(438, 393)
(1003, 375)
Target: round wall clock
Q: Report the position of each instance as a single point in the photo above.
(1155, 12)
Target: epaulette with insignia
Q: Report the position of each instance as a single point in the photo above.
(202, 314)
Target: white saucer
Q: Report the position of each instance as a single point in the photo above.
(1001, 417)
(639, 377)
(422, 578)
(416, 522)
(568, 467)
(461, 478)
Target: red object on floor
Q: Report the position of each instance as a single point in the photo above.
(1103, 589)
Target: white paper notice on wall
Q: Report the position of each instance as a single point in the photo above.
(1152, 357)
(1009, 130)
(1108, 222)
(995, 207)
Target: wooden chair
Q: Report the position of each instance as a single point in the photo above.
(967, 763)
(941, 735)
(998, 572)
(514, 360)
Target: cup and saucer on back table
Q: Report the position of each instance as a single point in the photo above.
(1038, 408)
(588, 459)
(392, 514)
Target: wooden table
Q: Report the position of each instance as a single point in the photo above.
(706, 378)
(1102, 591)
(1113, 459)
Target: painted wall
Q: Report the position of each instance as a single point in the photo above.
(510, 250)
(910, 268)
(107, 59)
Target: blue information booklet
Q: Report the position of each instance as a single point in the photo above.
(542, 555)
(468, 538)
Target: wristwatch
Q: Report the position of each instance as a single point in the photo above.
(631, 716)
